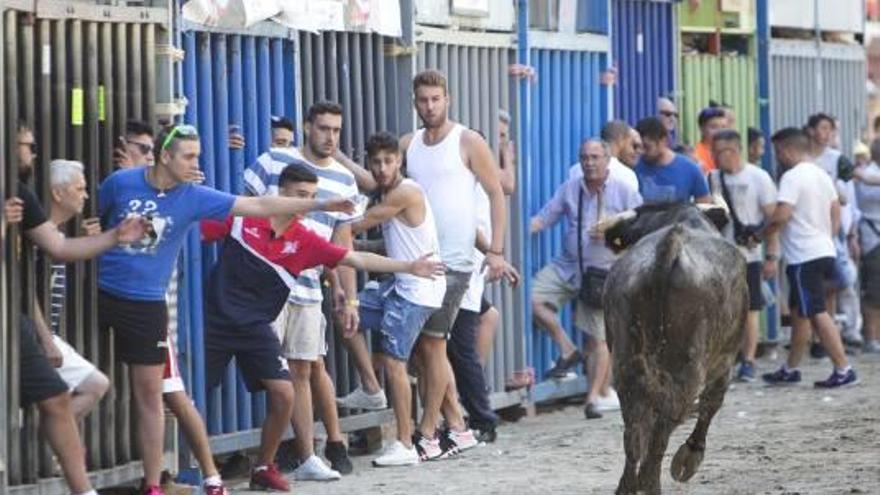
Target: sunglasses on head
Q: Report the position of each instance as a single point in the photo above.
(179, 130)
(32, 146)
(144, 148)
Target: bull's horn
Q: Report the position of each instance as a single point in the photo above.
(608, 222)
(717, 202)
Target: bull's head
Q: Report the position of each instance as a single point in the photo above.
(625, 229)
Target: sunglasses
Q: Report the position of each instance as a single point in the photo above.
(144, 148)
(669, 113)
(179, 130)
(32, 146)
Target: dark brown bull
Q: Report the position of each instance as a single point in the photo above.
(675, 306)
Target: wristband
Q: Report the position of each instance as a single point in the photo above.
(496, 253)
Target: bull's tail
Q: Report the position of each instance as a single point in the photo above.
(668, 251)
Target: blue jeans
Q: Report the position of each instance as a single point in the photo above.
(394, 322)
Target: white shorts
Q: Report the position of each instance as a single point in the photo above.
(171, 380)
(302, 330)
(74, 369)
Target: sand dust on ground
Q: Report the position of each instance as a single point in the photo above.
(764, 440)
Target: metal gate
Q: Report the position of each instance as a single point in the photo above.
(806, 78)
(568, 104)
(74, 72)
(475, 65)
(643, 40)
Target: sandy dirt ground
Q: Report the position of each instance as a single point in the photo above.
(764, 441)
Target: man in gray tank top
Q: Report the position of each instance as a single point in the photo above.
(447, 160)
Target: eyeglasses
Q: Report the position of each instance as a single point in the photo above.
(179, 130)
(32, 146)
(144, 148)
(669, 114)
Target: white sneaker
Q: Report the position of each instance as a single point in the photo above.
(360, 399)
(314, 469)
(872, 347)
(397, 454)
(608, 403)
(464, 440)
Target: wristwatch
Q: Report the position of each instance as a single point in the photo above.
(771, 257)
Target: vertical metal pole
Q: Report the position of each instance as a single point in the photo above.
(817, 33)
(524, 165)
(150, 63)
(106, 88)
(136, 69)
(6, 330)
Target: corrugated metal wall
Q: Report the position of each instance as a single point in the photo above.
(801, 84)
(221, 84)
(568, 105)
(476, 69)
(75, 77)
(729, 79)
(643, 37)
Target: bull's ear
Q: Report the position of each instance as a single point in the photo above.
(619, 237)
(718, 217)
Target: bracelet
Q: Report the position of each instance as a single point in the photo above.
(352, 303)
(496, 253)
(772, 257)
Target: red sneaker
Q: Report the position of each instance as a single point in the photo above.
(153, 490)
(269, 479)
(214, 490)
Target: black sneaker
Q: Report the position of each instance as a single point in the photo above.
(590, 411)
(337, 454)
(563, 364)
(427, 448)
(487, 435)
(448, 447)
(817, 351)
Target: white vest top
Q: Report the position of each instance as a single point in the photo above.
(406, 243)
(449, 186)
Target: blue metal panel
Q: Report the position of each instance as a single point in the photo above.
(568, 106)
(221, 82)
(592, 16)
(643, 44)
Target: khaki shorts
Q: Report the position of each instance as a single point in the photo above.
(302, 330)
(548, 287)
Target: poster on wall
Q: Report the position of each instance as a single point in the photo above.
(475, 8)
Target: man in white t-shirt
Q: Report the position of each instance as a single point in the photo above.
(751, 196)
(808, 213)
(624, 157)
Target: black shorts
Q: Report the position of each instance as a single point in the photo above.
(485, 306)
(140, 328)
(806, 283)
(256, 349)
(869, 275)
(39, 380)
(754, 278)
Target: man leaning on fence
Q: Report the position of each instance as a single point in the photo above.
(581, 268)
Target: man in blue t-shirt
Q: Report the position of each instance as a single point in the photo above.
(664, 176)
(132, 280)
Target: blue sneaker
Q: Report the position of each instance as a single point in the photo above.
(746, 372)
(839, 380)
(782, 377)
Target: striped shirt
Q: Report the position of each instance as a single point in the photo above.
(334, 180)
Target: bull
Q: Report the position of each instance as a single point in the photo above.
(675, 306)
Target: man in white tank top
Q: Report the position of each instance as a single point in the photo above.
(447, 160)
(396, 310)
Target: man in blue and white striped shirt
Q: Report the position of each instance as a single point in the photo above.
(302, 325)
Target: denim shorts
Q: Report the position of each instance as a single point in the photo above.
(394, 322)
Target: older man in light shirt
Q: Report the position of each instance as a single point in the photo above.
(581, 202)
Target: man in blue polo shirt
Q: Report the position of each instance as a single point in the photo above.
(133, 279)
(664, 176)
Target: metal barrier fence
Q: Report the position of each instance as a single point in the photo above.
(568, 104)
(74, 73)
(806, 78)
(476, 65)
(643, 40)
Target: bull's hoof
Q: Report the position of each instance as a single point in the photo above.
(685, 463)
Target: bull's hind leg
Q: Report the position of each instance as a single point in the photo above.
(649, 470)
(689, 456)
(632, 446)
